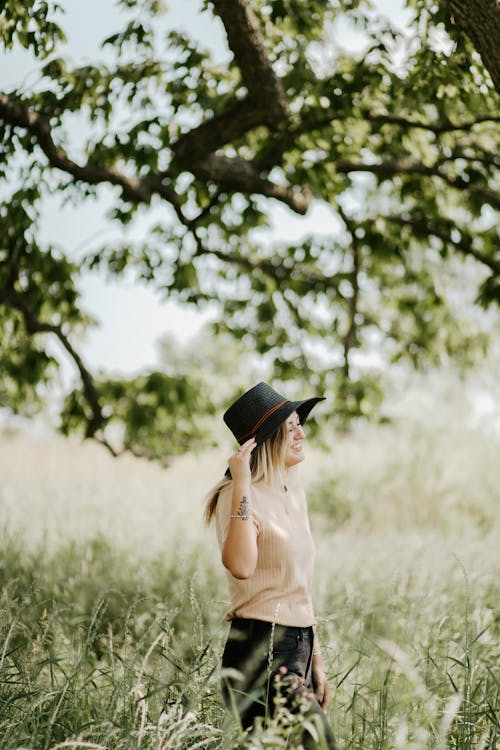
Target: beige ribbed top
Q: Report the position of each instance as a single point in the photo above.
(280, 588)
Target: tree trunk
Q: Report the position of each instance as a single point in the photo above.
(480, 20)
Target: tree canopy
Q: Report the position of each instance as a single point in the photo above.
(400, 140)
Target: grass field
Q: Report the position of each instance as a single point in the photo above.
(113, 594)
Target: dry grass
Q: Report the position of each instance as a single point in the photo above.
(113, 593)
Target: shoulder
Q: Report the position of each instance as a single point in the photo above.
(297, 490)
(298, 498)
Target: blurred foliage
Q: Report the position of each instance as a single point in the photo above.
(399, 139)
(156, 416)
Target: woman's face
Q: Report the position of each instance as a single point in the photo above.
(295, 447)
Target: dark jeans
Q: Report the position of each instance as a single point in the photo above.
(265, 665)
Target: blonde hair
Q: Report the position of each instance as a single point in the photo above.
(267, 464)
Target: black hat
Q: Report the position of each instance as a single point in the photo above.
(261, 410)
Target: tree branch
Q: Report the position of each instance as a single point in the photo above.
(248, 46)
(234, 173)
(423, 227)
(310, 123)
(473, 154)
(265, 104)
(224, 128)
(33, 325)
(349, 340)
(278, 273)
(134, 189)
(384, 118)
(410, 166)
(230, 173)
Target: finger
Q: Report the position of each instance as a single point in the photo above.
(319, 695)
(326, 695)
(248, 445)
(320, 689)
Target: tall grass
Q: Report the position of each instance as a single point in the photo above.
(112, 594)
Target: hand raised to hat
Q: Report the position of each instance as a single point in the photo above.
(239, 551)
(239, 462)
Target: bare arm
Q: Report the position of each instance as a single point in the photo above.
(320, 682)
(239, 551)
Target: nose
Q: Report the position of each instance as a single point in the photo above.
(299, 432)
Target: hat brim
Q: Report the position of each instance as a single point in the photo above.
(303, 409)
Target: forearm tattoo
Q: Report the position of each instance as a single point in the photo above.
(244, 510)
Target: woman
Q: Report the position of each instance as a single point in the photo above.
(272, 652)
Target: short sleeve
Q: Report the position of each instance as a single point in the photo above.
(223, 515)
